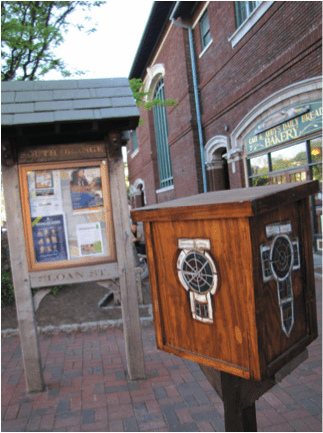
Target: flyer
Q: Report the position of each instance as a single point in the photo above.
(86, 189)
(49, 237)
(89, 238)
(44, 192)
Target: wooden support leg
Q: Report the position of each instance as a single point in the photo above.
(237, 416)
(238, 396)
(126, 266)
(24, 302)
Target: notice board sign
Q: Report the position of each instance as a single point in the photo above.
(67, 214)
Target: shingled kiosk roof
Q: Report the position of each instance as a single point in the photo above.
(34, 102)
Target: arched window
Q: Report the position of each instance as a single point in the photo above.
(161, 131)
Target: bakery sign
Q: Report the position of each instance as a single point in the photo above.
(285, 125)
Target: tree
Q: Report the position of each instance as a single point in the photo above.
(31, 30)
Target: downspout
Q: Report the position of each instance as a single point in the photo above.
(196, 93)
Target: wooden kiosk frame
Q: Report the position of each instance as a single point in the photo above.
(104, 209)
(64, 125)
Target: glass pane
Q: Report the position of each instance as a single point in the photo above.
(259, 165)
(316, 149)
(243, 11)
(161, 131)
(252, 6)
(260, 181)
(206, 39)
(290, 157)
(277, 180)
(316, 157)
(205, 27)
(205, 30)
(134, 140)
(67, 213)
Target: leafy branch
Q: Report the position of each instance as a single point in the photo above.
(144, 99)
(30, 31)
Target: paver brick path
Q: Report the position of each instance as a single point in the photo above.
(88, 390)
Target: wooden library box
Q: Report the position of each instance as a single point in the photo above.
(232, 278)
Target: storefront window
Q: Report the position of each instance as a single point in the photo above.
(259, 165)
(290, 157)
(316, 158)
(259, 168)
(296, 163)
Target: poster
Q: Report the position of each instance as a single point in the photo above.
(44, 183)
(86, 189)
(89, 238)
(49, 237)
(44, 192)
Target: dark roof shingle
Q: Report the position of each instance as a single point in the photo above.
(32, 102)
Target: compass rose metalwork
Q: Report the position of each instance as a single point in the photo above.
(198, 274)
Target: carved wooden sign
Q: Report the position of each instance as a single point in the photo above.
(74, 275)
(62, 152)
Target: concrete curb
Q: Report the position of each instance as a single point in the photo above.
(83, 327)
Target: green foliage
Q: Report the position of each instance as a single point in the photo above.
(54, 290)
(30, 30)
(144, 99)
(7, 292)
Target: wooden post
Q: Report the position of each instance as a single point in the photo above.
(127, 277)
(239, 395)
(24, 302)
(237, 416)
(239, 405)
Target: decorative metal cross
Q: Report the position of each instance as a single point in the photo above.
(279, 259)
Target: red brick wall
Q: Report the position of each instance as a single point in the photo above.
(237, 176)
(182, 127)
(283, 47)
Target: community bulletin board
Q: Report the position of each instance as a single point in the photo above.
(67, 214)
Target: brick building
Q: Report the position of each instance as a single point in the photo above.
(247, 78)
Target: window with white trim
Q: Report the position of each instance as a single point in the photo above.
(161, 131)
(244, 10)
(205, 30)
(134, 140)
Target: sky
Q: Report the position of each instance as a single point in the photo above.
(110, 51)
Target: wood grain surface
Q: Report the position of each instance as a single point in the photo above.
(234, 203)
(227, 339)
(246, 337)
(272, 340)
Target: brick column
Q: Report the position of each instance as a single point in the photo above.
(216, 175)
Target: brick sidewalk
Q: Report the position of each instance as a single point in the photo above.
(87, 389)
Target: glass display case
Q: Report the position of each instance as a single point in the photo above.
(67, 214)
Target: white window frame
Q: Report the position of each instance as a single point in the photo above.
(206, 48)
(252, 19)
